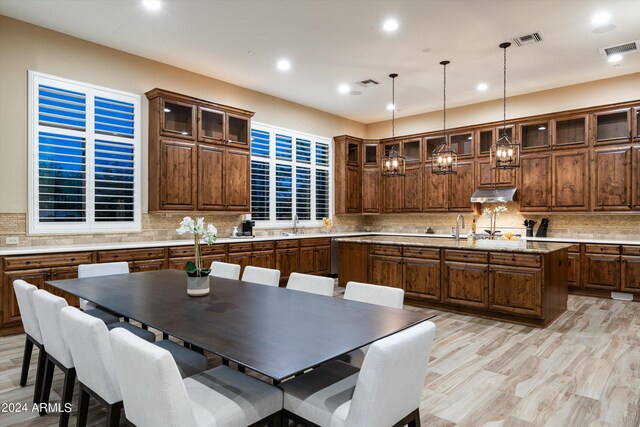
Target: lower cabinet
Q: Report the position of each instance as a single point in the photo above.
(386, 270)
(516, 290)
(601, 271)
(10, 310)
(422, 276)
(243, 259)
(287, 261)
(630, 274)
(315, 256)
(574, 269)
(466, 284)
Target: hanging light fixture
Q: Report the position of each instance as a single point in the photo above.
(444, 160)
(505, 153)
(392, 162)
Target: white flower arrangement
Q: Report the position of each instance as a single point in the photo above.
(493, 214)
(200, 232)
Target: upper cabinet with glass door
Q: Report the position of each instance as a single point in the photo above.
(462, 143)
(534, 135)
(177, 119)
(610, 127)
(370, 154)
(218, 126)
(412, 150)
(570, 132)
(488, 136)
(636, 115)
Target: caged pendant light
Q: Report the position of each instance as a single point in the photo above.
(444, 160)
(393, 163)
(505, 153)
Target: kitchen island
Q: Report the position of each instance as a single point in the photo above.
(523, 282)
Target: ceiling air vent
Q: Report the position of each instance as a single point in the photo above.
(620, 49)
(367, 83)
(527, 39)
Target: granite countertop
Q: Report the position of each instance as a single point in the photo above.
(463, 244)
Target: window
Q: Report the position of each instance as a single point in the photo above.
(84, 146)
(290, 174)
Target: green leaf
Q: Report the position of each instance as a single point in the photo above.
(191, 268)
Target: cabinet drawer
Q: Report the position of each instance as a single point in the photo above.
(240, 247)
(574, 248)
(322, 241)
(263, 246)
(130, 255)
(183, 251)
(30, 261)
(602, 249)
(464, 256)
(631, 250)
(283, 244)
(386, 250)
(425, 253)
(520, 260)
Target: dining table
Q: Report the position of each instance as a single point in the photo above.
(274, 331)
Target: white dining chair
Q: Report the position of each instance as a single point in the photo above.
(385, 392)
(154, 394)
(90, 345)
(370, 294)
(24, 294)
(262, 276)
(312, 284)
(225, 270)
(95, 270)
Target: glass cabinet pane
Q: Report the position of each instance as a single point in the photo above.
(486, 141)
(371, 154)
(637, 123)
(535, 135)
(570, 131)
(612, 126)
(238, 129)
(211, 124)
(462, 143)
(500, 132)
(353, 153)
(389, 147)
(178, 118)
(432, 144)
(412, 151)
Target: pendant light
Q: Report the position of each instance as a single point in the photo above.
(392, 162)
(505, 153)
(444, 160)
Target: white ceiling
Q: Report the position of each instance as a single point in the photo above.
(340, 41)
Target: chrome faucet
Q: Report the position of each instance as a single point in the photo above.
(460, 217)
(296, 221)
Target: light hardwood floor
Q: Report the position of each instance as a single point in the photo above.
(583, 370)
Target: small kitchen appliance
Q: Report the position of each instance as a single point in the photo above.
(247, 227)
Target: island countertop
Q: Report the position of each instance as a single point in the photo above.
(463, 244)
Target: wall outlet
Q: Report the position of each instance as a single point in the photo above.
(13, 240)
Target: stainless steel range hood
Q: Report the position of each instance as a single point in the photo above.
(493, 195)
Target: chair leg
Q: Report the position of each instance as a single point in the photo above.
(67, 396)
(113, 414)
(26, 361)
(415, 422)
(165, 336)
(276, 420)
(42, 361)
(46, 386)
(83, 408)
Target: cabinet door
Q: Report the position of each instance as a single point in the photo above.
(241, 258)
(354, 190)
(237, 190)
(635, 177)
(152, 264)
(412, 200)
(570, 131)
(516, 290)
(211, 125)
(10, 310)
(307, 260)
(371, 191)
(63, 273)
(386, 271)
(323, 260)
(422, 276)
(210, 178)
(264, 259)
(611, 127)
(601, 271)
(238, 128)
(574, 270)
(570, 180)
(466, 284)
(177, 119)
(392, 193)
(630, 274)
(287, 261)
(462, 187)
(490, 178)
(535, 183)
(178, 177)
(611, 183)
(436, 196)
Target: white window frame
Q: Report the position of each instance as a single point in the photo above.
(35, 227)
(273, 161)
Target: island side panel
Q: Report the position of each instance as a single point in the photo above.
(556, 288)
(353, 263)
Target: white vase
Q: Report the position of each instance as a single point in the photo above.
(198, 286)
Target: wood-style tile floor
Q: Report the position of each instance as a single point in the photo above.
(583, 370)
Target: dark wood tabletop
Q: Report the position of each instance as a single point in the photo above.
(274, 331)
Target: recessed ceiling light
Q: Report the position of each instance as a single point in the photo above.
(284, 65)
(152, 4)
(482, 87)
(344, 88)
(250, 52)
(601, 18)
(390, 25)
(427, 50)
(542, 128)
(614, 58)
(390, 107)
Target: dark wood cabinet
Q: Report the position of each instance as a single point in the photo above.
(347, 166)
(462, 143)
(211, 183)
(177, 118)
(535, 182)
(412, 189)
(611, 179)
(630, 280)
(574, 269)
(516, 289)
(490, 178)
(392, 193)
(370, 191)
(601, 271)
(570, 132)
(287, 261)
(570, 182)
(635, 177)
(636, 123)
(462, 186)
(611, 127)
(243, 259)
(178, 182)
(466, 284)
(212, 124)
(307, 260)
(386, 270)
(315, 256)
(264, 259)
(436, 194)
(534, 135)
(354, 189)
(422, 276)
(10, 309)
(237, 170)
